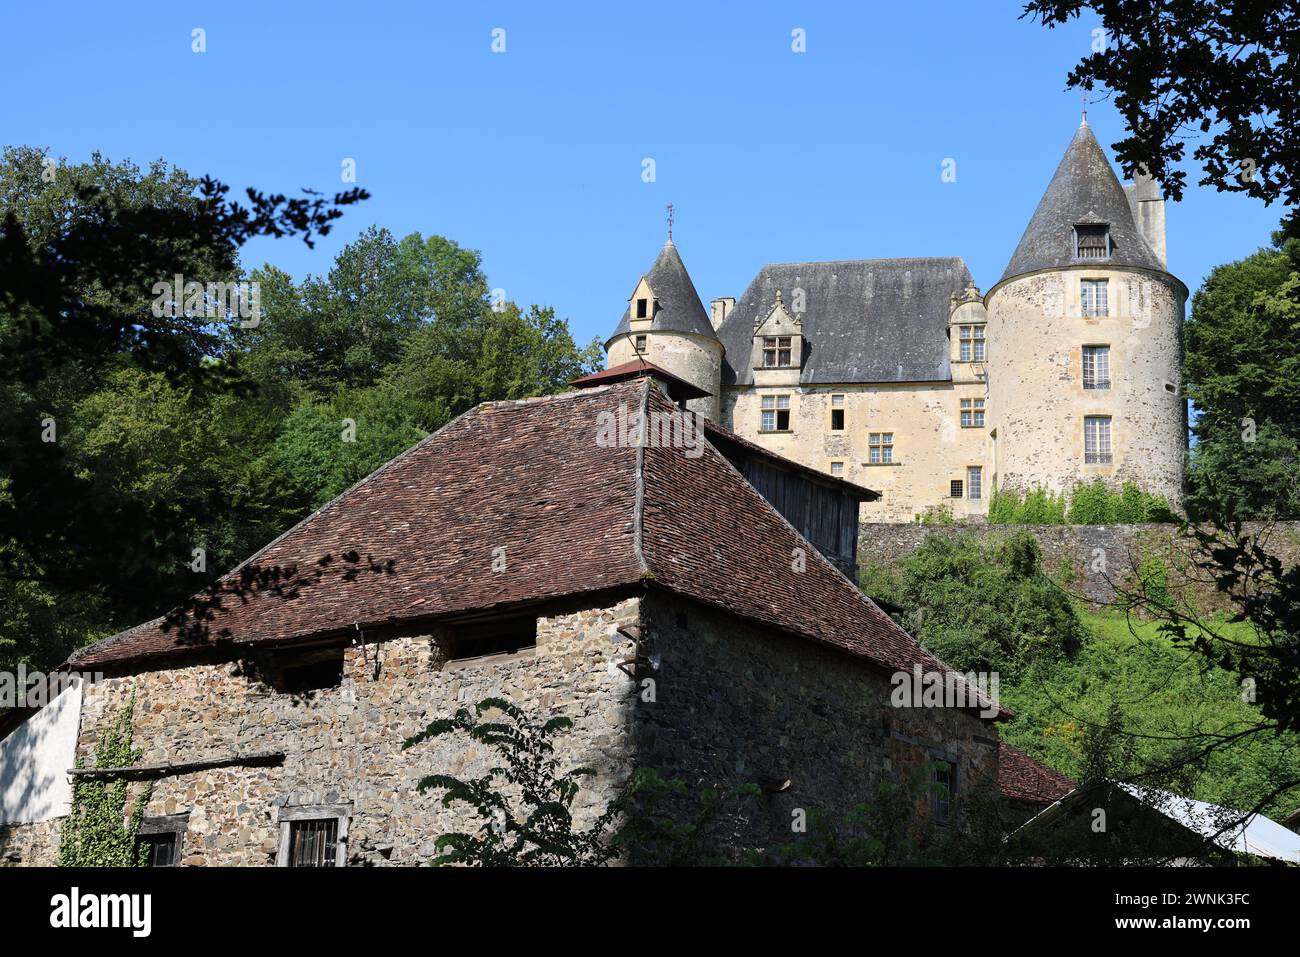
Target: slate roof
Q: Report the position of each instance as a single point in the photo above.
(1084, 189)
(679, 306)
(1022, 778)
(573, 517)
(865, 320)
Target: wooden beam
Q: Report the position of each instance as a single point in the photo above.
(142, 772)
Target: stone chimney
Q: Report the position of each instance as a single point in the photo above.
(720, 308)
(1147, 201)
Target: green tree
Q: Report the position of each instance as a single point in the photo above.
(1184, 67)
(983, 605)
(1241, 363)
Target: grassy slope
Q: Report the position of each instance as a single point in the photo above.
(1161, 693)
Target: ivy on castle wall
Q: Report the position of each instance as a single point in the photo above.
(98, 832)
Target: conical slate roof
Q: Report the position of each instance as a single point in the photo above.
(1084, 189)
(680, 308)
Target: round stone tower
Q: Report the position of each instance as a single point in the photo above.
(1085, 339)
(665, 324)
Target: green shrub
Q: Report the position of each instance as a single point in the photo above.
(1003, 507)
(985, 604)
(1091, 503)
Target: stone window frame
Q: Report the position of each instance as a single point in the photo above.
(174, 824)
(776, 350)
(1098, 456)
(1099, 306)
(1098, 349)
(975, 489)
(956, 488)
(972, 344)
(842, 409)
(288, 814)
(840, 463)
(971, 412)
(880, 448)
(775, 409)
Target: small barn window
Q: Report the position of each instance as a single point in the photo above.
(497, 637)
(160, 839)
(314, 835)
(943, 792)
(313, 843)
(1092, 241)
(305, 671)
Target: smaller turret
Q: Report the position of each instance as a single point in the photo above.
(666, 323)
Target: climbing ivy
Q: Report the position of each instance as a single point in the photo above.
(97, 832)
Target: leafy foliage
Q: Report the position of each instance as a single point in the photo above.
(980, 605)
(1180, 67)
(97, 831)
(1092, 503)
(541, 831)
(1241, 365)
(181, 444)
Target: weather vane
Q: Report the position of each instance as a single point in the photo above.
(670, 221)
(1083, 98)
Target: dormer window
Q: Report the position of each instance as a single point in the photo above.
(776, 352)
(642, 308)
(1092, 241)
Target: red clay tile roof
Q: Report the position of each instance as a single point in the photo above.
(637, 368)
(528, 484)
(1022, 778)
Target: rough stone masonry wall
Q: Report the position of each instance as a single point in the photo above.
(1037, 402)
(29, 844)
(739, 704)
(1075, 549)
(734, 704)
(345, 743)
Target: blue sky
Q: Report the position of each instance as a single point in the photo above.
(535, 156)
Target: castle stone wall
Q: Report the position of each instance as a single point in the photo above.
(1095, 558)
(1037, 401)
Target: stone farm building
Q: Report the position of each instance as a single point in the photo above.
(901, 375)
(522, 551)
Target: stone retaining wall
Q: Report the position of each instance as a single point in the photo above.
(1095, 558)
